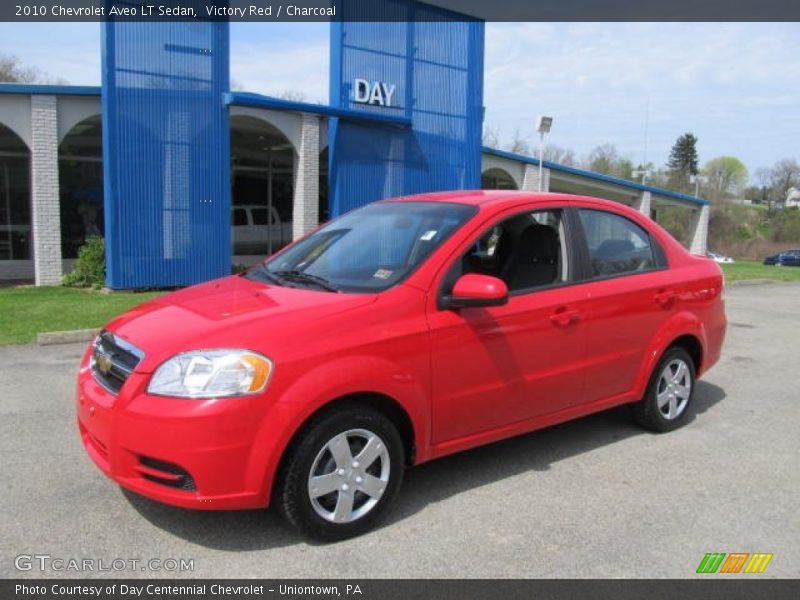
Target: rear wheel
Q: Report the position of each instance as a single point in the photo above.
(341, 473)
(669, 394)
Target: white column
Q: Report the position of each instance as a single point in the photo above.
(700, 236)
(306, 178)
(530, 178)
(46, 213)
(643, 204)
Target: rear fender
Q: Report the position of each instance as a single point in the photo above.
(680, 324)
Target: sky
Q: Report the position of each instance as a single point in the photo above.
(639, 86)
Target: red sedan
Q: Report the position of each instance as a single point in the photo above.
(401, 332)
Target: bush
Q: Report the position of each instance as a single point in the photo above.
(90, 268)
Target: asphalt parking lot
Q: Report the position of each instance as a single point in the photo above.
(593, 498)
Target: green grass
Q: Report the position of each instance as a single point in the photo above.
(26, 311)
(748, 269)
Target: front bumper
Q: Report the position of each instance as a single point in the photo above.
(149, 444)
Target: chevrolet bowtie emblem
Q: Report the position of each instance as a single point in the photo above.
(103, 363)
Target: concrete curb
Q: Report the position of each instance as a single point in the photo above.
(50, 338)
(748, 282)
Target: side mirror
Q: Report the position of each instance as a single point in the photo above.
(472, 290)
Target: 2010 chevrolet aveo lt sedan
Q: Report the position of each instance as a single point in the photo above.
(398, 333)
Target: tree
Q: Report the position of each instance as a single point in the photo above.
(607, 160)
(782, 177)
(519, 145)
(725, 175)
(682, 163)
(557, 154)
(602, 159)
(491, 136)
(292, 95)
(12, 72)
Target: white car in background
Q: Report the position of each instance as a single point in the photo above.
(720, 258)
(253, 233)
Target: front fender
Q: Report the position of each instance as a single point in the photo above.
(307, 394)
(680, 324)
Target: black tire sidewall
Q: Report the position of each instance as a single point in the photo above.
(299, 510)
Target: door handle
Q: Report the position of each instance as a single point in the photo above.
(564, 317)
(665, 297)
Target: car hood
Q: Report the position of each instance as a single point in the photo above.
(233, 312)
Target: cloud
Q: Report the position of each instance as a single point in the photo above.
(271, 60)
(735, 85)
(69, 51)
(728, 83)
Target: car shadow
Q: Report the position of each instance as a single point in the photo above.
(426, 484)
(537, 451)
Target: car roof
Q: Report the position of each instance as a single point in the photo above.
(469, 197)
(485, 198)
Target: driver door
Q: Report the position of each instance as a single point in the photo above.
(495, 366)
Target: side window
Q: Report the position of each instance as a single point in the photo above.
(239, 217)
(527, 251)
(616, 245)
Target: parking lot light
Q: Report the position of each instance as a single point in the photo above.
(543, 125)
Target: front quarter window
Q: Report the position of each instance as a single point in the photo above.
(367, 250)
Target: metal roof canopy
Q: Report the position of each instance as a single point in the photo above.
(608, 179)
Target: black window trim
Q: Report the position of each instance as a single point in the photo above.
(659, 256)
(574, 265)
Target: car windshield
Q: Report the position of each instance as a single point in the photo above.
(366, 250)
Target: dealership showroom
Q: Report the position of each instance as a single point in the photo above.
(398, 122)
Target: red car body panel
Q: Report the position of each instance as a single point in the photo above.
(463, 378)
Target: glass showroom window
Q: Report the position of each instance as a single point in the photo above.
(262, 187)
(80, 179)
(497, 179)
(15, 197)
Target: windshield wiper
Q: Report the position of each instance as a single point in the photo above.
(261, 272)
(295, 275)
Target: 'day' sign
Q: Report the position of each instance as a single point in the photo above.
(373, 92)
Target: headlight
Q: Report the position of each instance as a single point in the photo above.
(212, 374)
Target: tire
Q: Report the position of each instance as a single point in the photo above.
(327, 448)
(666, 408)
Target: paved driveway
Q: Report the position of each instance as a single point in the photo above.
(593, 498)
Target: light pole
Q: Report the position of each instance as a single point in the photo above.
(543, 126)
(644, 173)
(697, 180)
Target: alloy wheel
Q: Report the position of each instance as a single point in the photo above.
(674, 389)
(349, 475)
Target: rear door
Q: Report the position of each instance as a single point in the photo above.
(494, 366)
(630, 297)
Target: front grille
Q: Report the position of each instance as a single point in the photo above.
(113, 360)
(165, 473)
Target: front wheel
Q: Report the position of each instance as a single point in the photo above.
(669, 394)
(341, 473)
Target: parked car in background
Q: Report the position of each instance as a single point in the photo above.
(720, 258)
(787, 258)
(401, 332)
(253, 233)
